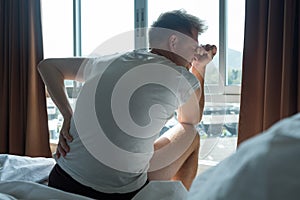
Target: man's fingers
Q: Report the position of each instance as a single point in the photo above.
(205, 51)
(200, 50)
(210, 48)
(207, 55)
(67, 136)
(63, 144)
(61, 151)
(57, 154)
(214, 50)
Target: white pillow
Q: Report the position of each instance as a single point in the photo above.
(264, 167)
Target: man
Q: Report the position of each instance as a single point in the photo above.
(113, 145)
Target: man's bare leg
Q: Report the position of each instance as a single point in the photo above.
(176, 155)
(188, 170)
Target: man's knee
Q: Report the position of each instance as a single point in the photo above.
(191, 130)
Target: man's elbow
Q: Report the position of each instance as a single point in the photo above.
(191, 120)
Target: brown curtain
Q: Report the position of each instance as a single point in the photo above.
(23, 118)
(271, 75)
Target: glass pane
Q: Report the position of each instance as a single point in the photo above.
(57, 24)
(205, 10)
(101, 21)
(236, 17)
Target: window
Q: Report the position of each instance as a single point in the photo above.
(205, 10)
(225, 21)
(236, 16)
(57, 27)
(77, 28)
(102, 21)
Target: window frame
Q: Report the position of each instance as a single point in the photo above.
(232, 92)
(222, 92)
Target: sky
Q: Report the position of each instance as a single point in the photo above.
(101, 21)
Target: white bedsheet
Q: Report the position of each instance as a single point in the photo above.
(32, 191)
(155, 190)
(13, 168)
(19, 176)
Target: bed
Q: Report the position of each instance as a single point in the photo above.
(23, 177)
(264, 167)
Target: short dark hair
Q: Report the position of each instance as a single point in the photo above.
(180, 21)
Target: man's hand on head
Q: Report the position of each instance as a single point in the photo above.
(209, 47)
(204, 54)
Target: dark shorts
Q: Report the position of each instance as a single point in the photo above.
(59, 179)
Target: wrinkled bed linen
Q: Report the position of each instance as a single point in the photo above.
(23, 168)
(32, 191)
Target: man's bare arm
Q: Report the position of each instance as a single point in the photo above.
(53, 73)
(191, 112)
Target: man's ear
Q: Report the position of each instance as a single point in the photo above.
(173, 40)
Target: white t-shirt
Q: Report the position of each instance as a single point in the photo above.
(122, 106)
